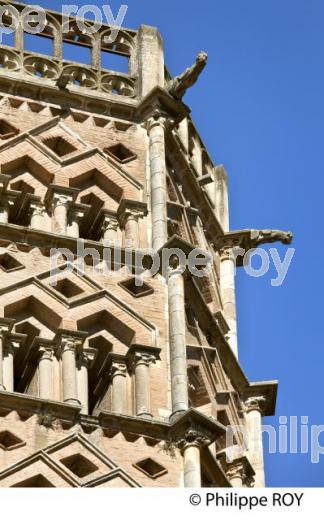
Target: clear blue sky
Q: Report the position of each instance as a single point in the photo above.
(259, 107)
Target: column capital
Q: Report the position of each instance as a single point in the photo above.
(78, 211)
(60, 196)
(142, 358)
(70, 340)
(87, 356)
(118, 369)
(175, 266)
(193, 437)
(117, 365)
(37, 207)
(60, 199)
(141, 355)
(11, 347)
(235, 470)
(240, 468)
(157, 118)
(109, 221)
(226, 253)
(131, 209)
(46, 351)
(6, 325)
(255, 403)
(70, 343)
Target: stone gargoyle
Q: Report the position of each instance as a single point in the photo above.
(179, 85)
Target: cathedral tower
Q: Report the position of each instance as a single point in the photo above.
(110, 377)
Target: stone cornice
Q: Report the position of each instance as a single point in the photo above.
(34, 405)
(265, 390)
(159, 103)
(176, 431)
(45, 240)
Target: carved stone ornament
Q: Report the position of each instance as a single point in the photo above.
(180, 84)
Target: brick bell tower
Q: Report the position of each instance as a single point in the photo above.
(105, 382)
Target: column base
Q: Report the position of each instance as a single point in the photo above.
(177, 414)
(74, 402)
(145, 415)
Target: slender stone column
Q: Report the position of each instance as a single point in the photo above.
(5, 327)
(96, 51)
(196, 155)
(37, 219)
(178, 351)
(58, 44)
(19, 37)
(190, 447)
(191, 466)
(75, 216)
(141, 367)
(227, 285)
(253, 414)
(86, 358)
(10, 350)
(46, 373)
(221, 200)
(131, 229)
(156, 133)
(118, 375)
(61, 205)
(69, 346)
(109, 229)
(183, 132)
(4, 212)
(2, 387)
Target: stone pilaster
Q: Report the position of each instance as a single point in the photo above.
(227, 285)
(253, 413)
(156, 133)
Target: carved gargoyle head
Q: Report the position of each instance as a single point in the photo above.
(287, 237)
(202, 57)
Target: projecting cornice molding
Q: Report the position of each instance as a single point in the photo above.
(46, 409)
(159, 103)
(264, 393)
